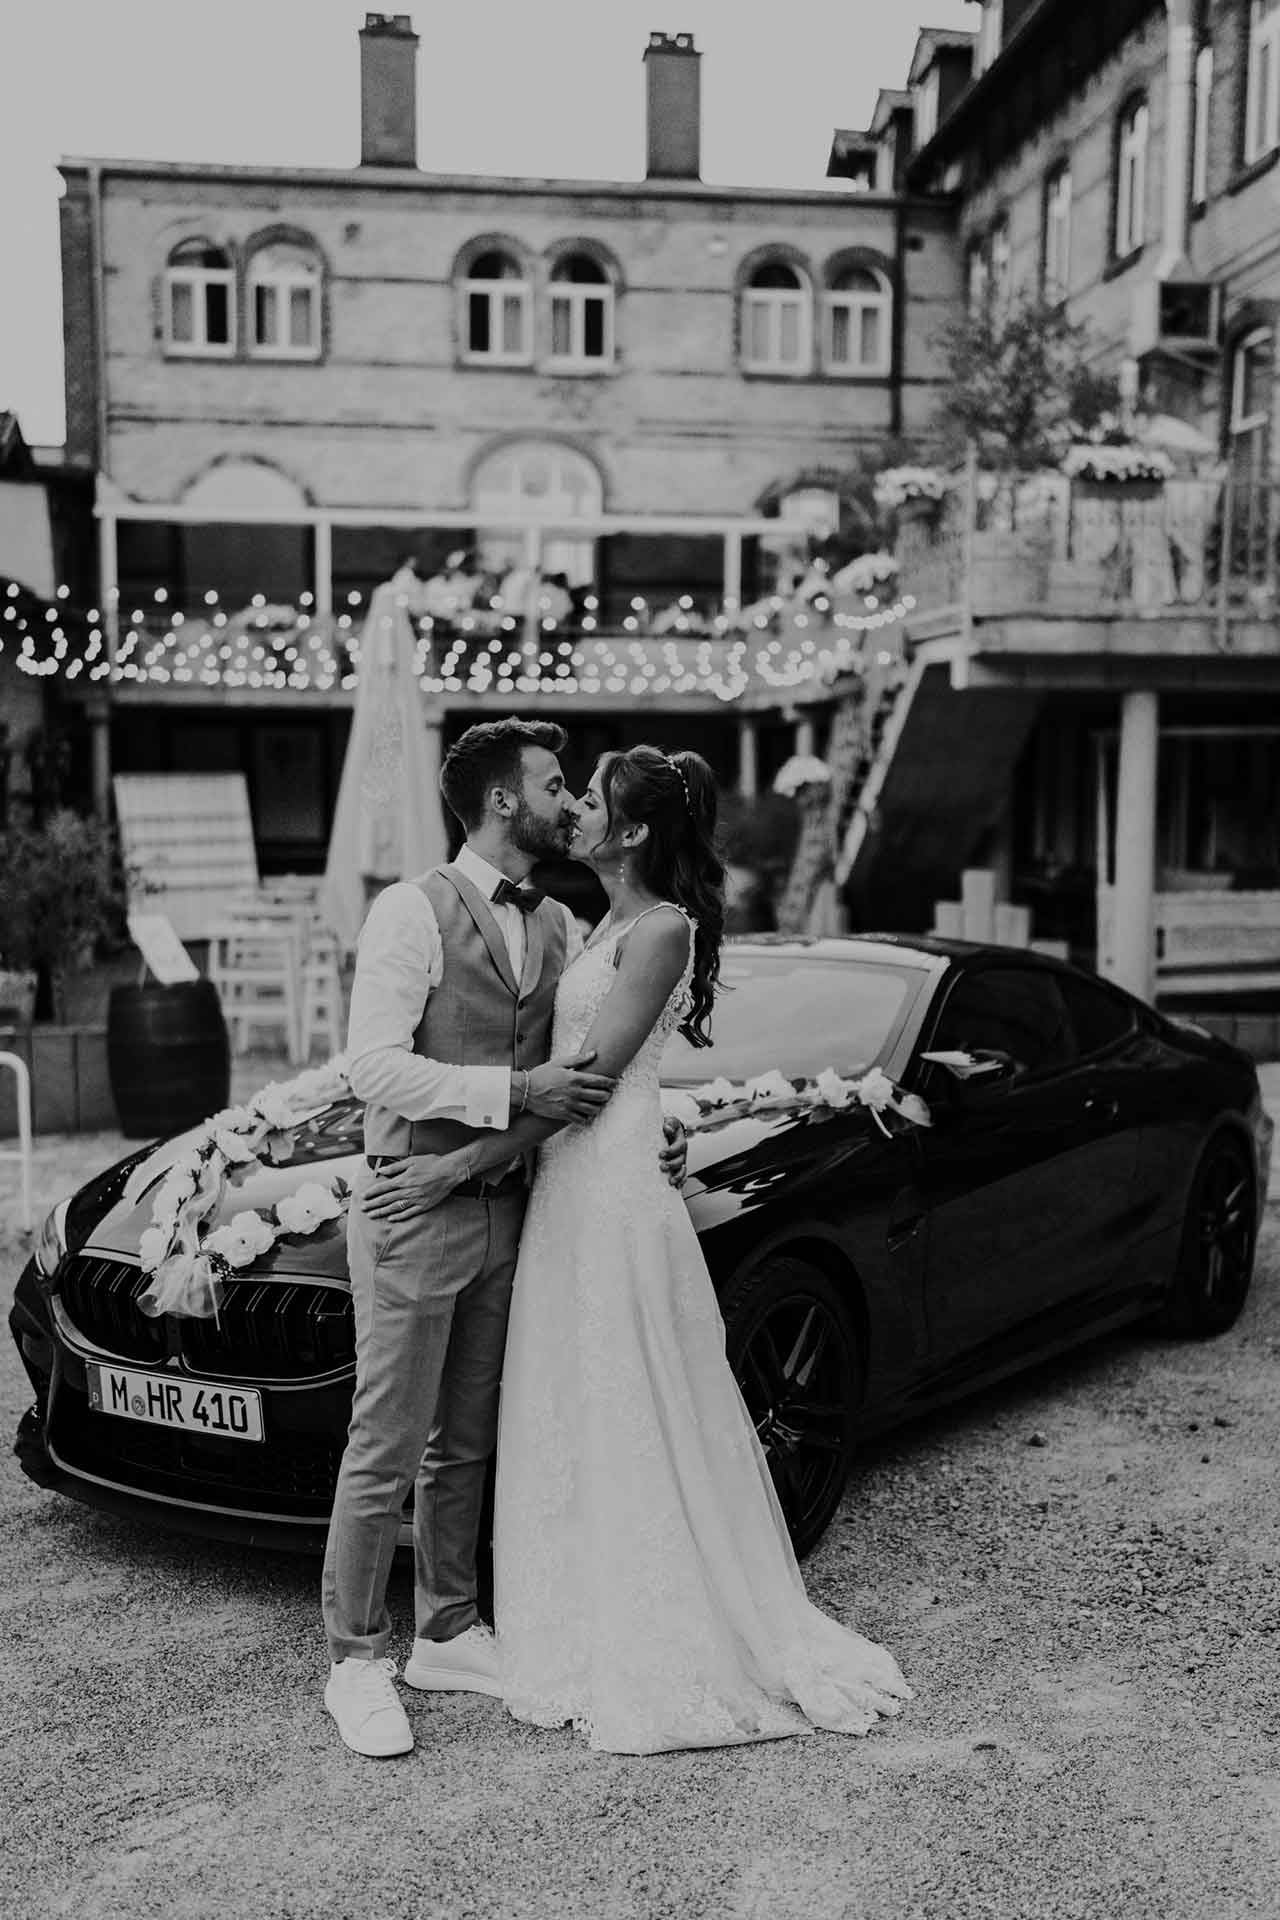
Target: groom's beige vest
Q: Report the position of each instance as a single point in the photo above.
(478, 1015)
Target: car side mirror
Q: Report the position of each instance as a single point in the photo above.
(971, 1073)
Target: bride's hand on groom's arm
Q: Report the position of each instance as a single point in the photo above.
(402, 1188)
(562, 1090)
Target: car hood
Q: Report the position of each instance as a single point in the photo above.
(742, 1158)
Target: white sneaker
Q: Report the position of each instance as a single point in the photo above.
(466, 1664)
(367, 1708)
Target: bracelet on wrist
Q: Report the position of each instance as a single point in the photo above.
(524, 1091)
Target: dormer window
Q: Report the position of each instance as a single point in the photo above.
(926, 105)
(497, 316)
(199, 317)
(776, 320)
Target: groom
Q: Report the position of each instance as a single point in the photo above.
(450, 1026)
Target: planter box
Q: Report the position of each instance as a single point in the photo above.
(70, 1086)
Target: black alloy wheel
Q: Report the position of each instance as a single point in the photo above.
(795, 1352)
(1215, 1260)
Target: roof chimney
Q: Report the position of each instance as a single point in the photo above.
(674, 107)
(388, 91)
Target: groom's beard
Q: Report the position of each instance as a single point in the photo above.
(540, 839)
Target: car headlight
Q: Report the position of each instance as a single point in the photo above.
(51, 1242)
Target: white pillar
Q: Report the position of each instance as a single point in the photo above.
(1134, 898)
(109, 586)
(532, 631)
(748, 758)
(322, 584)
(732, 592)
(806, 739)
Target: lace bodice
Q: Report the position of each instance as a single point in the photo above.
(584, 987)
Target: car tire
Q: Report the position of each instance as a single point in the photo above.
(1215, 1255)
(798, 1358)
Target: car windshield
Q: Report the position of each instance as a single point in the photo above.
(797, 1013)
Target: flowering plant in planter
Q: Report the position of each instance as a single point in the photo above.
(1112, 464)
(802, 772)
(895, 486)
(866, 573)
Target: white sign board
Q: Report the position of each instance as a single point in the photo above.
(154, 937)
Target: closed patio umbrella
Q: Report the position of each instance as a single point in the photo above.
(389, 820)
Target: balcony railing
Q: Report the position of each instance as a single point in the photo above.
(1042, 545)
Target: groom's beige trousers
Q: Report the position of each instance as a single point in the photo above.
(431, 1297)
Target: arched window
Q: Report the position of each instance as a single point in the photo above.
(859, 304)
(581, 313)
(199, 303)
(776, 320)
(1055, 250)
(497, 317)
(1131, 178)
(536, 480)
(284, 302)
(1262, 94)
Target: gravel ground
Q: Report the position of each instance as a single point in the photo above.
(1078, 1573)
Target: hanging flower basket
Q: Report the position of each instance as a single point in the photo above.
(1099, 467)
(802, 777)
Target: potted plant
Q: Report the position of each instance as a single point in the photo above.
(61, 891)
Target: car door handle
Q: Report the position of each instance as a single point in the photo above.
(1102, 1109)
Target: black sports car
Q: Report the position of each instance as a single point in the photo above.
(1089, 1162)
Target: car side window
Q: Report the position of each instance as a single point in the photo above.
(1019, 1011)
(1099, 1018)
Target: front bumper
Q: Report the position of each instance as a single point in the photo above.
(276, 1493)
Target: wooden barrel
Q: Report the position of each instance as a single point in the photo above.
(168, 1055)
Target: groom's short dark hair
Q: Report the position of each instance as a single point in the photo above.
(489, 755)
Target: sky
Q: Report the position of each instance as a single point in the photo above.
(535, 87)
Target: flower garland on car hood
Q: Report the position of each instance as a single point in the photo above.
(722, 1100)
(188, 1267)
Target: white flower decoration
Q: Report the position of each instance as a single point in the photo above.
(717, 1093)
(876, 1090)
(832, 1090)
(242, 1240)
(274, 1106)
(178, 1185)
(232, 1146)
(152, 1248)
(681, 1106)
(308, 1207)
(770, 1086)
(800, 771)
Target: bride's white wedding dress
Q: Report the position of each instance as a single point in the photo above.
(645, 1585)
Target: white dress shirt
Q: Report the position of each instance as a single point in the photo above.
(400, 958)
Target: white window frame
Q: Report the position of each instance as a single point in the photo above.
(772, 302)
(926, 108)
(854, 303)
(1241, 422)
(1262, 92)
(497, 292)
(284, 281)
(977, 274)
(198, 281)
(575, 296)
(1131, 179)
(1200, 124)
(1000, 256)
(1057, 232)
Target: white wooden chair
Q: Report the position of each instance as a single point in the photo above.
(22, 1152)
(255, 962)
(323, 1014)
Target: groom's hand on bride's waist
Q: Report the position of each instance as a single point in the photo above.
(563, 1089)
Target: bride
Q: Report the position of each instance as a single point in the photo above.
(645, 1588)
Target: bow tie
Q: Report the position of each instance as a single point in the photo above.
(507, 894)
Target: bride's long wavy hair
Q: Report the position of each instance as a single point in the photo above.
(675, 796)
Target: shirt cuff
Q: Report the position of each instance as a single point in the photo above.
(488, 1096)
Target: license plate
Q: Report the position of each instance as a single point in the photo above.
(199, 1407)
